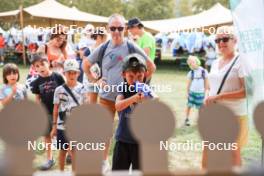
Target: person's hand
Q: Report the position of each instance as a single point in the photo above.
(139, 97)
(101, 82)
(211, 99)
(14, 90)
(53, 132)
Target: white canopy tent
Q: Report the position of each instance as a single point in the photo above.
(50, 11)
(213, 17)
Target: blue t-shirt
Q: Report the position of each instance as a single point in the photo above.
(123, 132)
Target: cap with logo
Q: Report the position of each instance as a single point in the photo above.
(71, 65)
(134, 62)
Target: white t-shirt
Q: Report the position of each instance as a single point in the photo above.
(197, 84)
(232, 83)
(66, 102)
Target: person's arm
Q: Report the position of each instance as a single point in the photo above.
(86, 65)
(147, 51)
(37, 98)
(206, 86)
(189, 81)
(122, 103)
(151, 67)
(9, 98)
(41, 49)
(55, 119)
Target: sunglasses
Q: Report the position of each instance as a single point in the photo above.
(113, 29)
(224, 39)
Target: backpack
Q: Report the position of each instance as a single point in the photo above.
(203, 74)
(130, 46)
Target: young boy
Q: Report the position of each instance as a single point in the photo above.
(196, 86)
(66, 97)
(44, 87)
(126, 149)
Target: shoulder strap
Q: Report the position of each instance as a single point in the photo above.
(46, 49)
(131, 48)
(203, 73)
(192, 74)
(227, 73)
(101, 56)
(71, 94)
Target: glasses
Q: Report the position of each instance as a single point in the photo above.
(224, 39)
(113, 29)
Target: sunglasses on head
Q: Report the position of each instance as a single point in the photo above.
(224, 39)
(113, 29)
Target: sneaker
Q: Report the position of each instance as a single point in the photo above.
(48, 165)
(105, 167)
(1, 63)
(187, 122)
(68, 159)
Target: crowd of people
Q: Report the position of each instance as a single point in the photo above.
(62, 81)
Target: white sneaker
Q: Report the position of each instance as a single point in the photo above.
(105, 167)
(1, 63)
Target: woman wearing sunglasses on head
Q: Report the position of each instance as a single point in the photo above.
(55, 49)
(227, 86)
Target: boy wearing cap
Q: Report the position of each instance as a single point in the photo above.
(44, 87)
(126, 149)
(66, 97)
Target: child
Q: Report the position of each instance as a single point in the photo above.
(11, 89)
(66, 97)
(44, 87)
(83, 51)
(196, 86)
(126, 149)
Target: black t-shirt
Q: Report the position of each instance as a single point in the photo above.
(45, 88)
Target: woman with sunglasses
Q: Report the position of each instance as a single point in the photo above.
(230, 91)
(55, 49)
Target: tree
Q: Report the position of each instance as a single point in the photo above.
(200, 5)
(144, 9)
(150, 9)
(7, 5)
(183, 8)
(98, 7)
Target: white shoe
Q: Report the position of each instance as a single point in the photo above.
(1, 63)
(105, 167)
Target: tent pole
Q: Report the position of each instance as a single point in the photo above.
(22, 27)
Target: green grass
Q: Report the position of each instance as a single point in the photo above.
(169, 74)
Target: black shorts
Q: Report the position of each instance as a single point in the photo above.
(62, 141)
(124, 155)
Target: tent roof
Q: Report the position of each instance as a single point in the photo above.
(216, 15)
(9, 13)
(55, 10)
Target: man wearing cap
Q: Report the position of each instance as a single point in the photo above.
(112, 61)
(144, 39)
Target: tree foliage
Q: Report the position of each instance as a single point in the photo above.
(144, 9)
(200, 5)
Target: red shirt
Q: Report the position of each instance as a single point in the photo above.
(2, 42)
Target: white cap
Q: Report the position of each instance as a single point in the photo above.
(82, 44)
(71, 65)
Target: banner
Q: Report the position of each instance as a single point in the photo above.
(248, 18)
